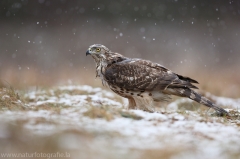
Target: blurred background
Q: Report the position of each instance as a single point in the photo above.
(43, 42)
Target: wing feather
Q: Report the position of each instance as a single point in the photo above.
(138, 74)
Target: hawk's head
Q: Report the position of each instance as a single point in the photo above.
(101, 53)
(97, 50)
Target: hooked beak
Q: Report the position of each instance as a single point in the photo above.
(88, 53)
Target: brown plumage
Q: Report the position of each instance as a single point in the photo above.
(143, 81)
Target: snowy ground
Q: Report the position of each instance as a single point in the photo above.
(90, 123)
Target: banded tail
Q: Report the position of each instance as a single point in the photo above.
(189, 93)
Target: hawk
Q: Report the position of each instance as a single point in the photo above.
(143, 82)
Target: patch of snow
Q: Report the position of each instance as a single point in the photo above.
(97, 97)
(150, 116)
(86, 88)
(199, 136)
(227, 102)
(5, 96)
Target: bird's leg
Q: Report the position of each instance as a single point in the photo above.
(131, 103)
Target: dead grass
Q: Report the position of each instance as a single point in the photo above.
(10, 100)
(82, 143)
(99, 112)
(53, 107)
(109, 113)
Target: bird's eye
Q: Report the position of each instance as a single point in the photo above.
(98, 49)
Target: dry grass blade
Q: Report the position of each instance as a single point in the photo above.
(99, 112)
(130, 115)
(10, 100)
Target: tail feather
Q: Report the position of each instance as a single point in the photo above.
(200, 99)
(187, 79)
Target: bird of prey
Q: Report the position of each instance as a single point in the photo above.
(143, 82)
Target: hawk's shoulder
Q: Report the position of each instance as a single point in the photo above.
(141, 63)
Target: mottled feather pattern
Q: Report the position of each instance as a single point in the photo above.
(143, 81)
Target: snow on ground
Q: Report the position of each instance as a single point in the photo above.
(190, 133)
(228, 102)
